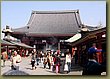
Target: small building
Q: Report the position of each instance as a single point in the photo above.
(10, 43)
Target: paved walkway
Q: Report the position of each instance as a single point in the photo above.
(25, 69)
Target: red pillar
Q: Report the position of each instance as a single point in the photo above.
(99, 46)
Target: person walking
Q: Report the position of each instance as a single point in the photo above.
(45, 60)
(40, 57)
(49, 59)
(57, 63)
(68, 61)
(33, 61)
(15, 59)
(12, 61)
(54, 63)
(37, 58)
(4, 57)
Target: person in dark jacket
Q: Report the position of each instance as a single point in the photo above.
(33, 61)
(57, 63)
(92, 67)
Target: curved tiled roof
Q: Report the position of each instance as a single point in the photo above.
(52, 22)
(92, 34)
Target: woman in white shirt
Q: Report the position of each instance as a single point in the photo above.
(15, 59)
(68, 61)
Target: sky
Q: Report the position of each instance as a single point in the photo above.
(17, 13)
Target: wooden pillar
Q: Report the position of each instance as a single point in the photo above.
(79, 54)
(58, 45)
(46, 46)
(99, 46)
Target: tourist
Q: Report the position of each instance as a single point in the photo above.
(40, 57)
(68, 61)
(12, 59)
(4, 57)
(49, 59)
(44, 60)
(37, 57)
(93, 49)
(15, 59)
(92, 67)
(9, 54)
(57, 63)
(33, 61)
(27, 53)
(54, 62)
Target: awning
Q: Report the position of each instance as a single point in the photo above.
(22, 45)
(74, 38)
(10, 38)
(6, 43)
(90, 35)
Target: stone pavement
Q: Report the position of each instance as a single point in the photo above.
(15, 72)
(25, 69)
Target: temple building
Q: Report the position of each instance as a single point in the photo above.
(48, 30)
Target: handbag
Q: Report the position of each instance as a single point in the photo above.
(66, 67)
(13, 67)
(2, 57)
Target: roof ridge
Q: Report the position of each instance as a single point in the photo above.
(55, 11)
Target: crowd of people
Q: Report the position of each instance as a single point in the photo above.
(14, 58)
(52, 60)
